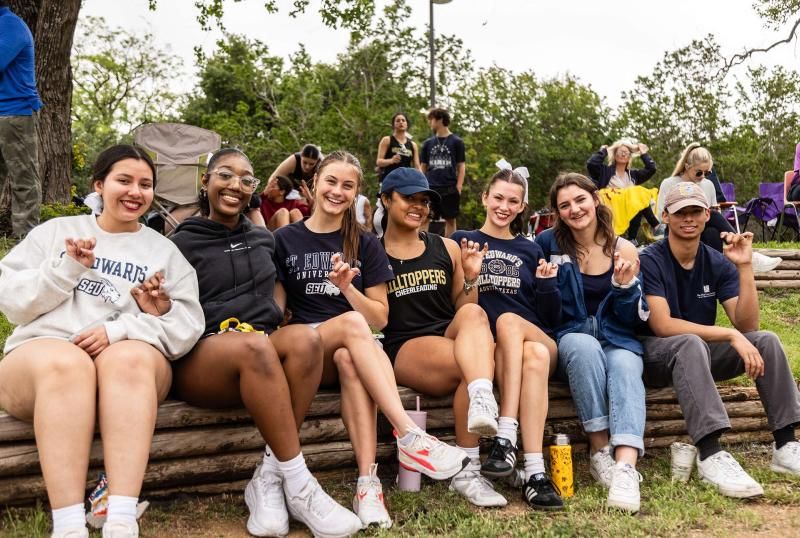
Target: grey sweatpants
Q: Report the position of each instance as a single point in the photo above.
(692, 365)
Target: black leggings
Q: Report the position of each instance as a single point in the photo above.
(636, 221)
(794, 193)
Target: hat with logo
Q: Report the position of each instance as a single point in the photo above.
(685, 194)
(407, 181)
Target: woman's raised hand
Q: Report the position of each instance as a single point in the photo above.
(546, 270)
(342, 274)
(472, 257)
(152, 296)
(624, 270)
(81, 250)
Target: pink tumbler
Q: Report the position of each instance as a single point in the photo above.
(410, 480)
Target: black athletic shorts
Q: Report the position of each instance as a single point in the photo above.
(448, 208)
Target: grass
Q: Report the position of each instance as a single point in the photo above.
(668, 509)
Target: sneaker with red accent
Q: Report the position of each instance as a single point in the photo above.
(368, 502)
(430, 456)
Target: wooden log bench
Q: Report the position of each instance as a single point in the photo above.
(786, 275)
(212, 451)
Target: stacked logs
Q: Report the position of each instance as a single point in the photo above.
(200, 450)
(786, 275)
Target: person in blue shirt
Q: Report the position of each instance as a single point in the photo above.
(19, 102)
(683, 280)
(520, 296)
(598, 352)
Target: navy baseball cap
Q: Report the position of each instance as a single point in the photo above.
(407, 181)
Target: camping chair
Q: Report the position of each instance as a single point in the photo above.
(729, 208)
(766, 208)
(790, 210)
(180, 153)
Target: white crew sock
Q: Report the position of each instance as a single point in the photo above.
(269, 464)
(69, 517)
(534, 464)
(295, 474)
(122, 508)
(507, 429)
(481, 383)
(474, 452)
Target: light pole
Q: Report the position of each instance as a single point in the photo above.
(433, 52)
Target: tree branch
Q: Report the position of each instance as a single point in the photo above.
(740, 58)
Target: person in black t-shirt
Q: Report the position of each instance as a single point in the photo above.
(442, 160)
(437, 335)
(300, 168)
(683, 281)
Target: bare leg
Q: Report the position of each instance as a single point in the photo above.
(597, 440)
(359, 413)
(449, 227)
(295, 215)
(53, 384)
(279, 219)
(231, 369)
(538, 364)
(300, 349)
(132, 377)
(473, 343)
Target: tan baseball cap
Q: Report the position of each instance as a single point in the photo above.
(685, 194)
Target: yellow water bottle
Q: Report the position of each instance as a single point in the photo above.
(561, 465)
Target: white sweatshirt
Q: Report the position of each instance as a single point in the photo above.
(48, 294)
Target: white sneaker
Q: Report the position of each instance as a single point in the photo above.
(323, 516)
(787, 458)
(120, 529)
(624, 490)
(762, 263)
(264, 498)
(430, 456)
(79, 532)
(475, 487)
(725, 473)
(482, 417)
(368, 502)
(601, 465)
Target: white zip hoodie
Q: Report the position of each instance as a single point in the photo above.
(48, 294)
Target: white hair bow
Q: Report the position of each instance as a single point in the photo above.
(503, 164)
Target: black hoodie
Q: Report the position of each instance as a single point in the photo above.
(235, 271)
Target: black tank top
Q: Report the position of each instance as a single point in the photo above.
(595, 289)
(406, 152)
(297, 174)
(420, 296)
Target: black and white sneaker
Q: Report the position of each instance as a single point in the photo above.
(540, 494)
(502, 459)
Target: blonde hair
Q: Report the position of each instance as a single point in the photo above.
(693, 155)
(632, 146)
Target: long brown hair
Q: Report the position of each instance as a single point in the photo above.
(604, 235)
(509, 176)
(350, 228)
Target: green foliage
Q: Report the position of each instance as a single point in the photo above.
(51, 211)
(777, 12)
(119, 81)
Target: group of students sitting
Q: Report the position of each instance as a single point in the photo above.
(112, 318)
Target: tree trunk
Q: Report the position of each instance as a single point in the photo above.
(52, 23)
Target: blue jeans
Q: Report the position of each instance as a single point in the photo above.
(606, 385)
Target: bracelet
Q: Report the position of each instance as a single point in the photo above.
(469, 284)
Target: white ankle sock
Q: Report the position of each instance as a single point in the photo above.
(474, 453)
(69, 517)
(479, 384)
(295, 474)
(507, 429)
(406, 439)
(122, 508)
(269, 464)
(534, 463)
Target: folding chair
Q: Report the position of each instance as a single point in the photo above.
(730, 210)
(790, 209)
(180, 153)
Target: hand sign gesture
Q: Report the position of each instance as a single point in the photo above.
(546, 270)
(81, 250)
(471, 258)
(624, 270)
(738, 248)
(342, 274)
(152, 296)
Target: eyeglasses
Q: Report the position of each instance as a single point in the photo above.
(700, 173)
(248, 183)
